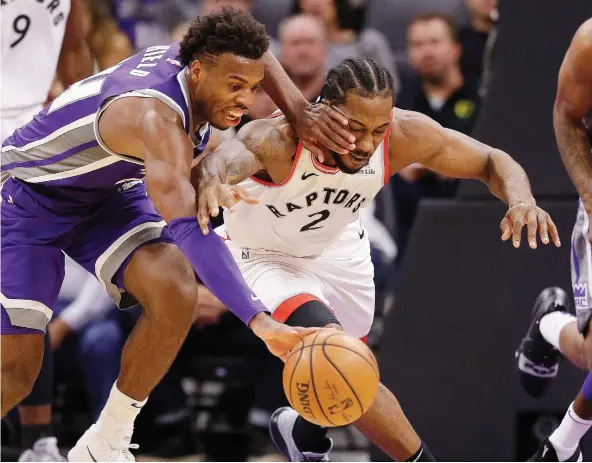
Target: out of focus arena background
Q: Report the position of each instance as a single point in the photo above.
(452, 300)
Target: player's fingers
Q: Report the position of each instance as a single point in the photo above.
(338, 134)
(314, 149)
(303, 332)
(241, 194)
(213, 205)
(543, 229)
(225, 197)
(553, 231)
(320, 134)
(517, 224)
(330, 113)
(203, 216)
(505, 228)
(531, 224)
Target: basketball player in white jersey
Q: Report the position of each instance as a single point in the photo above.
(40, 39)
(302, 248)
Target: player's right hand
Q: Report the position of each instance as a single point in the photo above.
(279, 338)
(211, 195)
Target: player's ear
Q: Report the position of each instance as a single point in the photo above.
(196, 71)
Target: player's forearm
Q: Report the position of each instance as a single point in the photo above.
(507, 180)
(574, 146)
(282, 90)
(174, 197)
(230, 163)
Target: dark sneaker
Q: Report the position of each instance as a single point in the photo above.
(537, 360)
(546, 452)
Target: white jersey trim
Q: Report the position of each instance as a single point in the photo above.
(73, 125)
(117, 243)
(74, 172)
(290, 175)
(26, 304)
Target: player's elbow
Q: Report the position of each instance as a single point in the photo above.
(172, 195)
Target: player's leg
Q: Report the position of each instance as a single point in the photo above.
(37, 436)
(31, 275)
(554, 331)
(128, 248)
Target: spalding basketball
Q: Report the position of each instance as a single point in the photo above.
(331, 378)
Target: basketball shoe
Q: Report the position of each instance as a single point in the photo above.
(281, 427)
(94, 447)
(45, 449)
(546, 452)
(537, 360)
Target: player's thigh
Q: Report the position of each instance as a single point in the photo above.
(282, 283)
(350, 291)
(107, 243)
(581, 268)
(31, 269)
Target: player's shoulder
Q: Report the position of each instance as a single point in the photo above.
(273, 135)
(581, 45)
(410, 128)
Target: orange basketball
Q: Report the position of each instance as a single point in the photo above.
(331, 378)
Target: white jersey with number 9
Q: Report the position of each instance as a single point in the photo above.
(32, 35)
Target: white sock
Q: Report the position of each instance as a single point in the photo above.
(551, 325)
(566, 437)
(119, 412)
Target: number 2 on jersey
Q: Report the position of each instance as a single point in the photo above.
(323, 215)
(21, 26)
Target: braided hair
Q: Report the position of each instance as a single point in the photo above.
(361, 76)
(228, 31)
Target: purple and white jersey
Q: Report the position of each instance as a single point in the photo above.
(60, 153)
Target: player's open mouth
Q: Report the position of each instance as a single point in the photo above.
(359, 158)
(233, 117)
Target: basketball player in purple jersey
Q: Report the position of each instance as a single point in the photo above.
(73, 182)
(554, 331)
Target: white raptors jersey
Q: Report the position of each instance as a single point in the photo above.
(32, 35)
(309, 210)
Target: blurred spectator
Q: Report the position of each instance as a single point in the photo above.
(473, 36)
(439, 91)
(347, 37)
(303, 53)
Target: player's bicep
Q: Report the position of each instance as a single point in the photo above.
(459, 156)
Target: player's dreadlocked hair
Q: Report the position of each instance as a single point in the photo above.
(228, 31)
(362, 76)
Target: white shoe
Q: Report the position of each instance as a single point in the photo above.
(94, 447)
(45, 449)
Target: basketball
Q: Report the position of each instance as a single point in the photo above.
(331, 378)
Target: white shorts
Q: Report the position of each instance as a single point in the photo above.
(342, 278)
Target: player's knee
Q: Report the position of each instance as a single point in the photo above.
(312, 313)
(20, 366)
(164, 283)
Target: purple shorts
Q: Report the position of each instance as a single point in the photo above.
(101, 238)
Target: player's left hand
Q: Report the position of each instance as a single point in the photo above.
(279, 338)
(535, 219)
(319, 123)
(212, 195)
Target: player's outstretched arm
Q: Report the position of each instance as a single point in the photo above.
(572, 103)
(256, 144)
(76, 61)
(456, 155)
(313, 123)
(147, 129)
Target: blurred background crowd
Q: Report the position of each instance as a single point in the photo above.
(217, 398)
